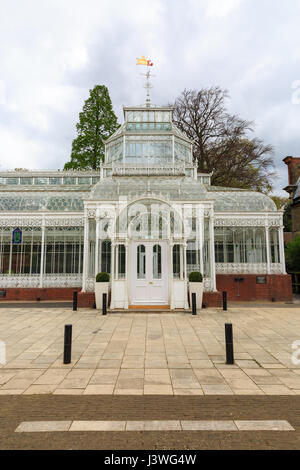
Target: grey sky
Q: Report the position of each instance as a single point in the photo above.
(53, 51)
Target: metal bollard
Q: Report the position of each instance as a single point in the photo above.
(104, 301)
(224, 300)
(68, 344)
(229, 343)
(74, 300)
(194, 304)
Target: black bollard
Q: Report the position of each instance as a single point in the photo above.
(224, 300)
(194, 305)
(74, 300)
(104, 301)
(68, 344)
(229, 343)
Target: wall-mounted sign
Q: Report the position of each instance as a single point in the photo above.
(261, 280)
(17, 236)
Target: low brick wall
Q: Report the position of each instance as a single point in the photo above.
(86, 300)
(212, 299)
(35, 293)
(278, 287)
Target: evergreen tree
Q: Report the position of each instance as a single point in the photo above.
(97, 122)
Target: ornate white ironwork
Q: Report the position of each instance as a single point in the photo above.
(33, 280)
(247, 268)
(65, 221)
(276, 268)
(90, 284)
(257, 221)
(20, 222)
(150, 170)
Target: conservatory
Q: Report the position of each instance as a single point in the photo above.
(146, 217)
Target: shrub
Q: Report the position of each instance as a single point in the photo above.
(102, 277)
(195, 277)
(292, 254)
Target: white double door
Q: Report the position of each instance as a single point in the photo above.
(149, 273)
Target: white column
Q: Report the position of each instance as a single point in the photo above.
(85, 253)
(112, 274)
(126, 300)
(200, 236)
(281, 249)
(212, 251)
(97, 246)
(171, 283)
(124, 149)
(42, 252)
(186, 305)
(173, 151)
(268, 248)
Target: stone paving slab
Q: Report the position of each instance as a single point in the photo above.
(150, 354)
(158, 425)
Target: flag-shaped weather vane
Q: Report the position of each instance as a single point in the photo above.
(148, 63)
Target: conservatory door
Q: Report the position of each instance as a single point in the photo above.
(149, 273)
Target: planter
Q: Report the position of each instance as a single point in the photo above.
(197, 288)
(100, 289)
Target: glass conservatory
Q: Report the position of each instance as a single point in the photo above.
(146, 217)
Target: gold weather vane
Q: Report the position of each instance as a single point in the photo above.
(148, 63)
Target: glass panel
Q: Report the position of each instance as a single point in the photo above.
(240, 245)
(12, 180)
(157, 262)
(105, 256)
(176, 261)
(55, 180)
(84, 180)
(274, 246)
(64, 250)
(40, 180)
(121, 261)
(69, 180)
(141, 262)
(25, 180)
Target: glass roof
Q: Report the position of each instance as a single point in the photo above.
(26, 202)
(182, 189)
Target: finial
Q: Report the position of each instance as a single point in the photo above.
(147, 85)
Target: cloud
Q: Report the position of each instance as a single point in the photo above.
(53, 52)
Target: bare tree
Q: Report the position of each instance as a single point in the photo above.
(221, 141)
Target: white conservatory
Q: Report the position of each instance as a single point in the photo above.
(147, 218)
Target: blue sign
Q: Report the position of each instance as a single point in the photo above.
(17, 236)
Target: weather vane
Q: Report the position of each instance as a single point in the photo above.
(147, 85)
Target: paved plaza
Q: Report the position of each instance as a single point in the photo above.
(150, 353)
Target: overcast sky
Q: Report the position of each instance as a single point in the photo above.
(53, 51)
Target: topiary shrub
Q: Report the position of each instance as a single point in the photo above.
(102, 277)
(195, 277)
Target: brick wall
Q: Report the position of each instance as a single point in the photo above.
(278, 286)
(86, 300)
(55, 294)
(212, 299)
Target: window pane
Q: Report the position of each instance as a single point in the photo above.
(105, 256)
(176, 261)
(141, 262)
(121, 261)
(157, 262)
